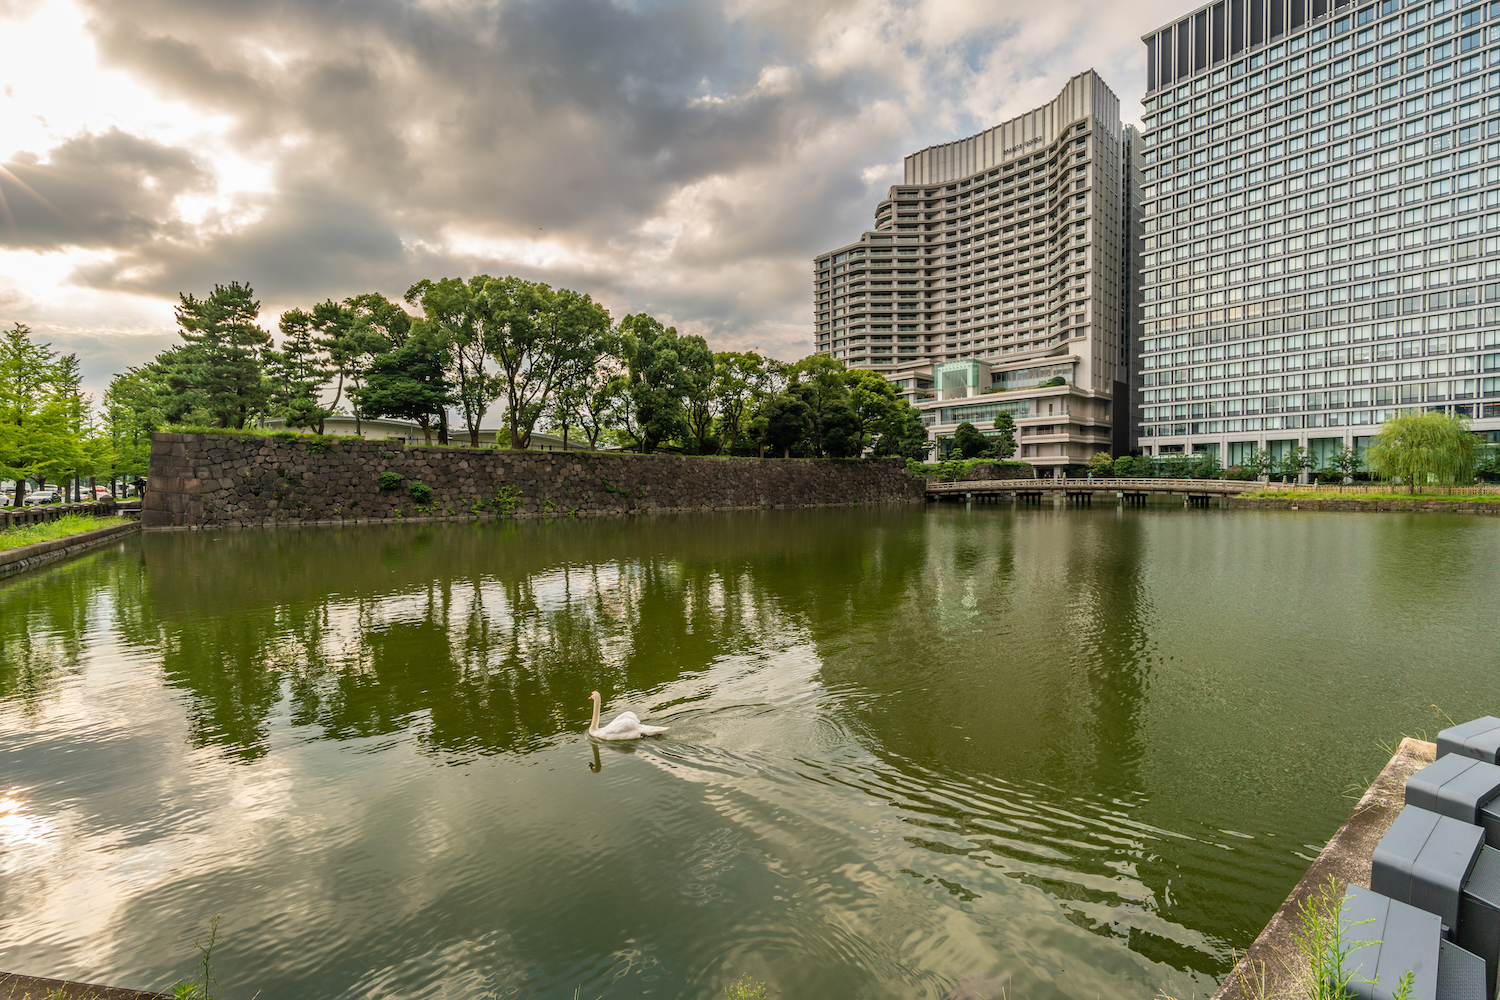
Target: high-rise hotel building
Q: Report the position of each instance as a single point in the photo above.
(998, 276)
(1320, 193)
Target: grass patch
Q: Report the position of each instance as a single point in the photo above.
(51, 531)
(1372, 497)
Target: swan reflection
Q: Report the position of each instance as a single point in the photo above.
(596, 765)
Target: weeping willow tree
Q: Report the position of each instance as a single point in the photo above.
(1423, 448)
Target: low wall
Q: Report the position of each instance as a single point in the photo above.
(19, 517)
(26, 557)
(13, 987)
(1297, 503)
(213, 480)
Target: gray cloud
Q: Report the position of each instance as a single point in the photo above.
(684, 158)
(106, 190)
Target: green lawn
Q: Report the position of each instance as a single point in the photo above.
(69, 524)
(1371, 497)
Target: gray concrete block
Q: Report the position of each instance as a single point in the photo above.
(1398, 939)
(1458, 786)
(1479, 739)
(1424, 860)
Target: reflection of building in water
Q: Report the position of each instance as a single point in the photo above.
(998, 276)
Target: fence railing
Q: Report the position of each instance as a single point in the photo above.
(15, 517)
(1475, 489)
(1051, 484)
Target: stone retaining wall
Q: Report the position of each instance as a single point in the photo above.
(212, 480)
(1298, 503)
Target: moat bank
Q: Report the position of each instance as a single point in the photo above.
(224, 480)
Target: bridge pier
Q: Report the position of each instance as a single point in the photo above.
(1133, 499)
(1195, 500)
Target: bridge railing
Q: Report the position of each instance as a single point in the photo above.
(1144, 484)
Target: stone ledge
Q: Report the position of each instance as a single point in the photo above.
(13, 987)
(1397, 506)
(1347, 857)
(26, 557)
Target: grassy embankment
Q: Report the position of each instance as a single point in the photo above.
(1382, 497)
(63, 527)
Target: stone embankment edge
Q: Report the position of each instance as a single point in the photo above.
(209, 480)
(1391, 506)
(18, 560)
(14, 987)
(1273, 960)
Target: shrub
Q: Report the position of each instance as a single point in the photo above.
(420, 492)
(390, 480)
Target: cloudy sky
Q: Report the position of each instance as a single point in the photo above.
(681, 158)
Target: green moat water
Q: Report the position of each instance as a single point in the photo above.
(1091, 748)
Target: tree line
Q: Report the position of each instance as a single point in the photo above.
(448, 355)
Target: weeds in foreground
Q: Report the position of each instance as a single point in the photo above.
(746, 989)
(203, 983)
(1320, 936)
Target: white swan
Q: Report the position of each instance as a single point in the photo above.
(626, 725)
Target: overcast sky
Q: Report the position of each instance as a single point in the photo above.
(685, 159)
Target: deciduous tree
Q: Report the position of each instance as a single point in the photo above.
(1423, 448)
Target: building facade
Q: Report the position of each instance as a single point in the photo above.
(1001, 269)
(1321, 241)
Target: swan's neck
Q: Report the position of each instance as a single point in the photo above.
(595, 723)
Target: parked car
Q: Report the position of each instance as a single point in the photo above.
(40, 497)
(101, 493)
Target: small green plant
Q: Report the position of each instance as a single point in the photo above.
(1320, 935)
(507, 499)
(609, 488)
(420, 492)
(1405, 987)
(548, 505)
(390, 480)
(746, 989)
(203, 983)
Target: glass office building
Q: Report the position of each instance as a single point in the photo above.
(1321, 223)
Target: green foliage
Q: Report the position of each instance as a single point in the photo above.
(543, 340)
(746, 989)
(1130, 467)
(1055, 380)
(203, 983)
(295, 374)
(1426, 448)
(216, 371)
(507, 499)
(1101, 464)
(970, 442)
(1292, 462)
(843, 432)
(656, 382)
(1321, 937)
(818, 381)
(420, 492)
(788, 422)
(1005, 444)
(410, 382)
(390, 480)
(903, 434)
(45, 430)
(49, 531)
(455, 315)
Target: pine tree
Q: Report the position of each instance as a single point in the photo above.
(217, 369)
